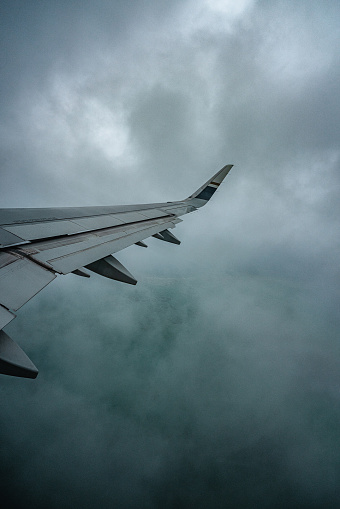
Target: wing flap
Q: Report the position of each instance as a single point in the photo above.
(20, 280)
(97, 248)
(8, 239)
(71, 252)
(5, 317)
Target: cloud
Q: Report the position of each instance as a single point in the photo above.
(199, 403)
(216, 377)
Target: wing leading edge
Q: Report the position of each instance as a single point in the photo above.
(36, 245)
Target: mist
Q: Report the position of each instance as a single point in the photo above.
(215, 381)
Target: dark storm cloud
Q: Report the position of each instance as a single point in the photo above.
(214, 381)
(201, 404)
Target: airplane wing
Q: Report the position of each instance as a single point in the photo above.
(36, 245)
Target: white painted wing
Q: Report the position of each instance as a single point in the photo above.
(38, 244)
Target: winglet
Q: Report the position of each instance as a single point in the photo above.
(205, 192)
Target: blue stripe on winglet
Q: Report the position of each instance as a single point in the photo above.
(207, 193)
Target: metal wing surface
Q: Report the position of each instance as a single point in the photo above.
(36, 245)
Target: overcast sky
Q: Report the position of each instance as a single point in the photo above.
(215, 382)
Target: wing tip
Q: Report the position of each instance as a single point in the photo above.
(206, 191)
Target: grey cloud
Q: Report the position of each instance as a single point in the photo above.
(215, 379)
(203, 402)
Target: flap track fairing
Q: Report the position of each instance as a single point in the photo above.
(111, 268)
(167, 237)
(13, 360)
(81, 272)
